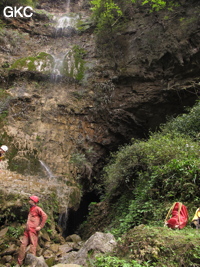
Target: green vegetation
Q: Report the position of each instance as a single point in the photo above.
(42, 62)
(107, 12)
(156, 173)
(2, 24)
(147, 246)
(78, 159)
(74, 63)
(110, 17)
(4, 101)
(113, 261)
(14, 38)
(141, 181)
(79, 54)
(15, 232)
(156, 5)
(18, 3)
(187, 124)
(160, 246)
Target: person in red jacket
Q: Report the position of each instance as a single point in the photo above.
(35, 222)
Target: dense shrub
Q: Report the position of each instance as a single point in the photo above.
(158, 171)
(188, 123)
(161, 159)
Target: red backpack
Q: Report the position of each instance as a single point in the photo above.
(179, 216)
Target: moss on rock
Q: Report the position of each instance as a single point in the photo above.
(43, 62)
(74, 64)
(160, 246)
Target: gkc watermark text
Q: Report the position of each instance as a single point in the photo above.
(13, 12)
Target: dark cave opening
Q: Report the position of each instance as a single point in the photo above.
(75, 218)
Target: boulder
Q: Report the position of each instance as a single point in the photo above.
(73, 238)
(45, 236)
(34, 261)
(9, 251)
(3, 232)
(68, 258)
(65, 248)
(98, 243)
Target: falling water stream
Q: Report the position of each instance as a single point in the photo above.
(68, 6)
(63, 217)
(65, 26)
(58, 64)
(50, 174)
(63, 22)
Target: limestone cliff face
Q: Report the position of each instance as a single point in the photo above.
(72, 119)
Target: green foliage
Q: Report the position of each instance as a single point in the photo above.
(28, 2)
(15, 232)
(159, 171)
(18, 3)
(79, 54)
(188, 123)
(113, 261)
(160, 246)
(105, 13)
(78, 159)
(74, 63)
(2, 24)
(156, 5)
(42, 62)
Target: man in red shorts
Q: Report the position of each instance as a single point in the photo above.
(36, 221)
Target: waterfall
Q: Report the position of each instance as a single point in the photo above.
(65, 27)
(62, 221)
(63, 217)
(63, 22)
(68, 6)
(46, 169)
(56, 73)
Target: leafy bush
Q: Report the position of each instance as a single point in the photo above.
(160, 247)
(188, 123)
(15, 232)
(105, 12)
(162, 156)
(156, 5)
(159, 171)
(113, 261)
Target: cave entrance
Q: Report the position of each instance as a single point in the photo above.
(75, 218)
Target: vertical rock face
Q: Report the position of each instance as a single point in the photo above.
(74, 115)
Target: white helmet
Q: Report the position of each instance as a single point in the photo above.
(4, 148)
